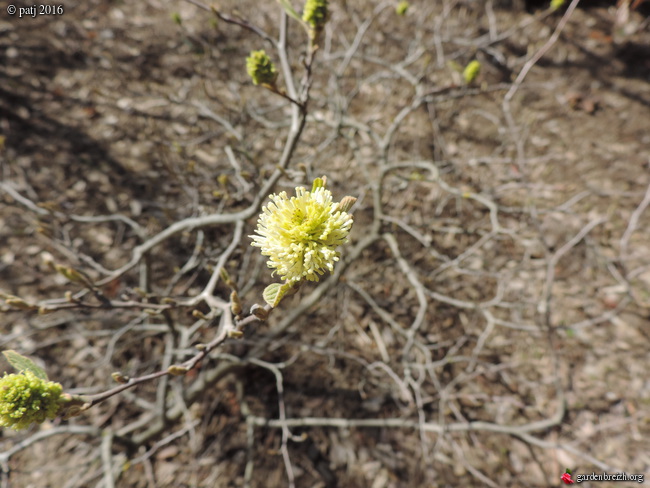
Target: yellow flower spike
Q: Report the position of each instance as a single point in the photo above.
(26, 399)
(300, 234)
(315, 15)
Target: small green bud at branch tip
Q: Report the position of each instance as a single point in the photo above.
(319, 183)
(197, 314)
(19, 303)
(224, 275)
(120, 378)
(177, 370)
(235, 303)
(72, 275)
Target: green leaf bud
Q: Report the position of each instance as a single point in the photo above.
(275, 292)
(73, 275)
(471, 71)
(177, 370)
(197, 314)
(19, 303)
(402, 7)
(319, 183)
(235, 303)
(235, 334)
(120, 378)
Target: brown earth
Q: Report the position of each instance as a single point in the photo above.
(488, 324)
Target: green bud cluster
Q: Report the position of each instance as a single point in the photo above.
(402, 7)
(316, 14)
(26, 399)
(261, 69)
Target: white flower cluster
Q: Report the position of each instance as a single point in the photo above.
(300, 234)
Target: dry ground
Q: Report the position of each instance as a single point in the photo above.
(489, 322)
